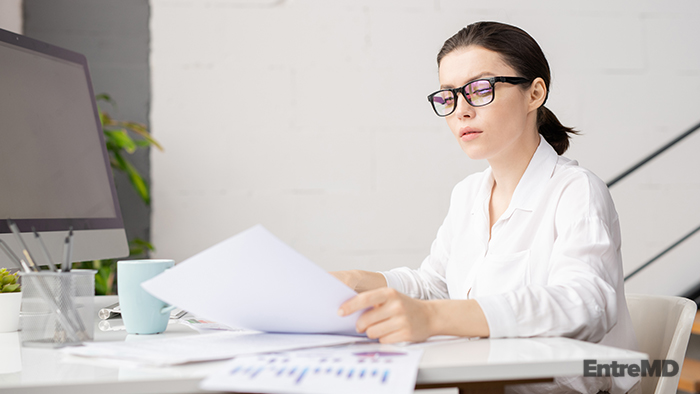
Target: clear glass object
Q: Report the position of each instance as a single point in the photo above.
(57, 308)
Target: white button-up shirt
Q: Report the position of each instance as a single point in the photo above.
(552, 266)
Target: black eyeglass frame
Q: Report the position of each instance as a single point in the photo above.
(492, 81)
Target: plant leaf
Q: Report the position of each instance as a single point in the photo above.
(105, 97)
(117, 160)
(11, 288)
(110, 283)
(135, 178)
(121, 140)
(141, 130)
(100, 284)
(104, 117)
(139, 246)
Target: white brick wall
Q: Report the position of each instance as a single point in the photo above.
(11, 15)
(310, 117)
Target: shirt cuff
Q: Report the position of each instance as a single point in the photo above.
(499, 316)
(393, 280)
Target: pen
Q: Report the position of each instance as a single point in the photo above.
(70, 248)
(25, 250)
(58, 308)
(67, 251)
(109, 311)
(66, 267)
(52, 267)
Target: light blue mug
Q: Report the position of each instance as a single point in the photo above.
(141, 312)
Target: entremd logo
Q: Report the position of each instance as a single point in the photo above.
(655, 368)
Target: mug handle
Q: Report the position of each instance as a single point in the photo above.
(167, 309)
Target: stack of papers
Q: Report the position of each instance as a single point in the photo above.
(208, 347)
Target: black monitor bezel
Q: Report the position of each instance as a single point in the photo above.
(77, 224)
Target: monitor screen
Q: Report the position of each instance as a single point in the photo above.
(54, 168)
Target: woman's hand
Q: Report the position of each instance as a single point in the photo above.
(360, 280)
(393, 317)
(347, 277)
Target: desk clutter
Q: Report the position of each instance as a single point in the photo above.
(110, 318)
(271, 362)
(112, 313)
(176, 361)
(285, 337)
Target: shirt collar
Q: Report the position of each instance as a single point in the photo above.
(481, 202)
(536, 176)
(531, 184)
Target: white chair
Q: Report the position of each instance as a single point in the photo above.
(662, 325)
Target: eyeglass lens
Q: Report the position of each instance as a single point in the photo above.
(477, 93)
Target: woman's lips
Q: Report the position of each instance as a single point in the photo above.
(468, 134)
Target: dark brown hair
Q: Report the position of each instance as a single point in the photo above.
(520, 51)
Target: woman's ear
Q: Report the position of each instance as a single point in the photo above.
(538, 93)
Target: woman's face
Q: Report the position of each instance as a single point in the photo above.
(501, 130)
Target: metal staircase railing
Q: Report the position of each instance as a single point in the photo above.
(634, 168)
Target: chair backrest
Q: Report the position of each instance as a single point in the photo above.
(662, 325)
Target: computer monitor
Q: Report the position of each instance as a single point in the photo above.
(55, 172)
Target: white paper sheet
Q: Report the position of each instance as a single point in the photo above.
(255, 281)
(371, 369)
(205, 347)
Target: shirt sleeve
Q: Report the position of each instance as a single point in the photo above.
(579, 299)
(428, 281)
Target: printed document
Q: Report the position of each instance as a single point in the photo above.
(205, 347)
(368, 369)
(255, 281)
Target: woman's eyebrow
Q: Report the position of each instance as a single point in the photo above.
(474, 78)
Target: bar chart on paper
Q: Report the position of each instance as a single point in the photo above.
(378, 369)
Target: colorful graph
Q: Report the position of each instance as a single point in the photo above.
(321, 371)
(367, 366)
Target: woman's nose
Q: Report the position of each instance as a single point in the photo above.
(464, 109)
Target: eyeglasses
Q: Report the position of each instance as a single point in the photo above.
(478, 93)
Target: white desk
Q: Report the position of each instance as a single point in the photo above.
(467, 364)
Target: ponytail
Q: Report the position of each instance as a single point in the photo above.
(553, 131)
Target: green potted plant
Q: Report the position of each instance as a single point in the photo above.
(122, 139)
(10, 301)
(118, 136)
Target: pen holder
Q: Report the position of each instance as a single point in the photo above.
(57, 308)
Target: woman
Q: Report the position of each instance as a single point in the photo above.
(531, 245)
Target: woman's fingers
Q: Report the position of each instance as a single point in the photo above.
(396, 336)
(397, 320)
(390, 316)
(365, 300)
(382, 329)
(373, 316)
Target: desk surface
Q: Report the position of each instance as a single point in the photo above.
(32, 370)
